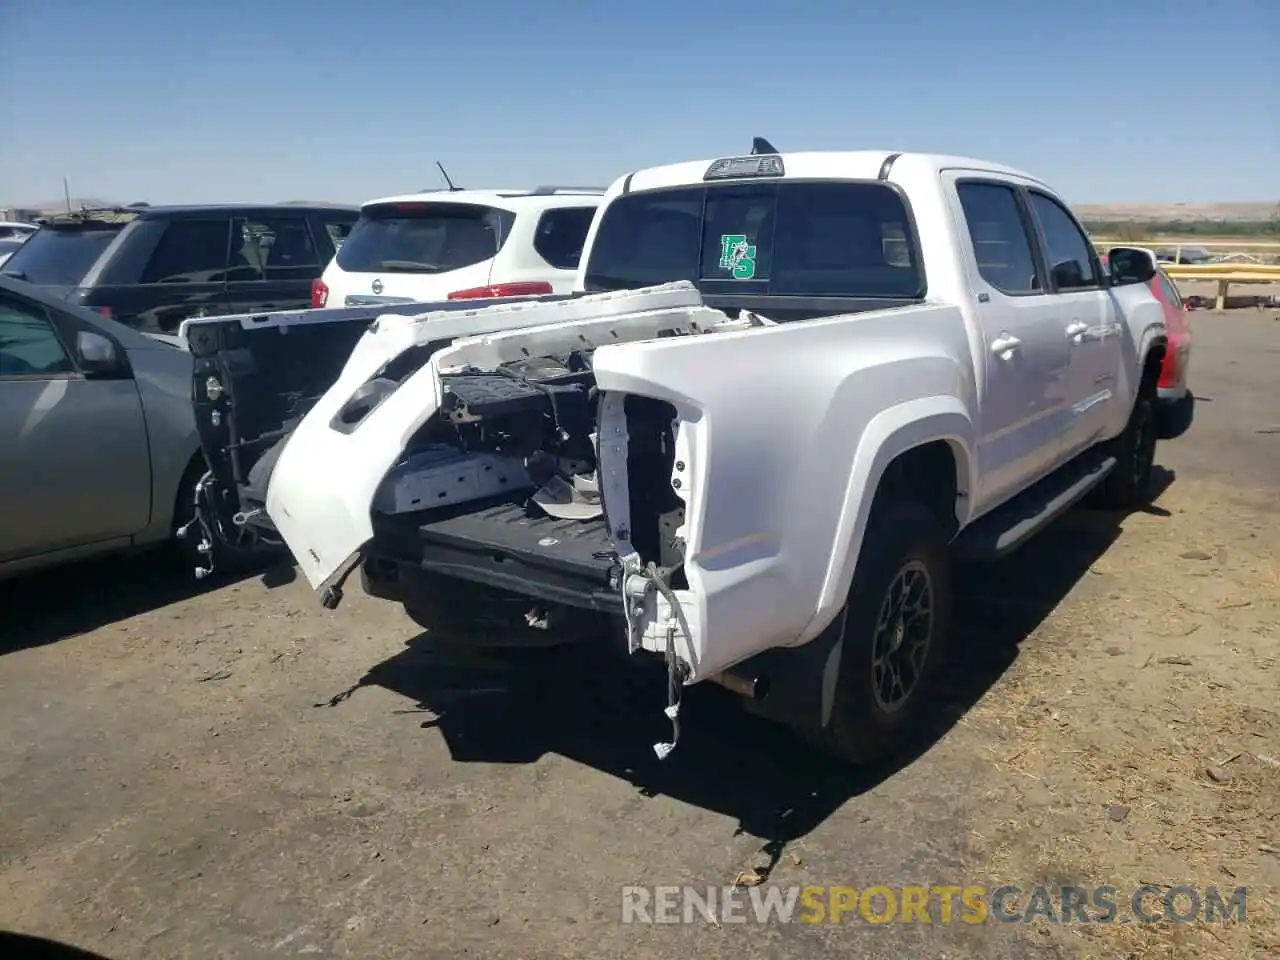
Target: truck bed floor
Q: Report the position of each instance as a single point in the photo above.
(508, 545)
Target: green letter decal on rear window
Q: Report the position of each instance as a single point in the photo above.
(738, 256)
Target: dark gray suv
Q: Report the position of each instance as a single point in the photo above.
(153, 267)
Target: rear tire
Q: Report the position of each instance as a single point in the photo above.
(894, 627)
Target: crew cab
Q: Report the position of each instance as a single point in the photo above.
(789, 391)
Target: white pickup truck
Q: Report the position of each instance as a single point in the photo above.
(790, 390)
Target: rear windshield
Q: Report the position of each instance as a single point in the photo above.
(782, 239)
(423, 237)
(62, 255)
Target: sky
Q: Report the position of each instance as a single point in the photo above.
(173, 101)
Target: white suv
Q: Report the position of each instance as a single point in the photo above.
(456, 244)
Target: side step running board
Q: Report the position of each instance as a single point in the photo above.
(1008, 527)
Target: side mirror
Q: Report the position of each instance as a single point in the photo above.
(96, 353)
(1129, 265)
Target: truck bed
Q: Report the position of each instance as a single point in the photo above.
(505, 544)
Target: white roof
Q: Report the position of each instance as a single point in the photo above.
(498, 196)
(822, 165)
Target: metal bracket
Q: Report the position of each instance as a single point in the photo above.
(332, 595)
(638, 592)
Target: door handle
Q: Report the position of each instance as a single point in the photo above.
(1076, 331)
(1004, 345)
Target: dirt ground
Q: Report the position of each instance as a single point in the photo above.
(239, 773)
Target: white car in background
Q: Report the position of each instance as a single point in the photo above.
(460, 244)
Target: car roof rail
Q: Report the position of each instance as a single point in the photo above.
(85, 213)
(550, 190)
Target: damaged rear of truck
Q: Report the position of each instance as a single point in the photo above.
(749, 397)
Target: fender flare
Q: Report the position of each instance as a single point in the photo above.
(889, 434)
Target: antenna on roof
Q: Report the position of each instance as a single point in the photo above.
(761, 145)
(445, 174)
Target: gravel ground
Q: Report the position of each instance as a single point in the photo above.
(239, 773)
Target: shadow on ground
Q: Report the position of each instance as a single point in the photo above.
(585, 705)
(21, 946)
(46, 607)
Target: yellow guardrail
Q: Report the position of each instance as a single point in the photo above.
(1223, 274)
(1243, 272)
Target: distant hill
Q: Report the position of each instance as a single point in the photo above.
(1164, 212)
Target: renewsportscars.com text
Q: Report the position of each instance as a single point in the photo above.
(938, 903)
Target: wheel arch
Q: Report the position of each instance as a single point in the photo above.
(1154, 347)
(924, 448)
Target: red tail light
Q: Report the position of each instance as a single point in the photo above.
(102, 311)
(319, 293)
(530, 288)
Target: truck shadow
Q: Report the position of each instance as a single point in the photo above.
(585, 705)
(23, 946)
(45, 607)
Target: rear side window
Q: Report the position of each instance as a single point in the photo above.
(646, 239)
(830, 239)
(424, 237)
(190, 251)
(561, 234)
(1000, 235)
(1070, 255)
(263, 247)
(63, 255)
(338, 231)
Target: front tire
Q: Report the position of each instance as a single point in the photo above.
(894, 628)
(1129, 483)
